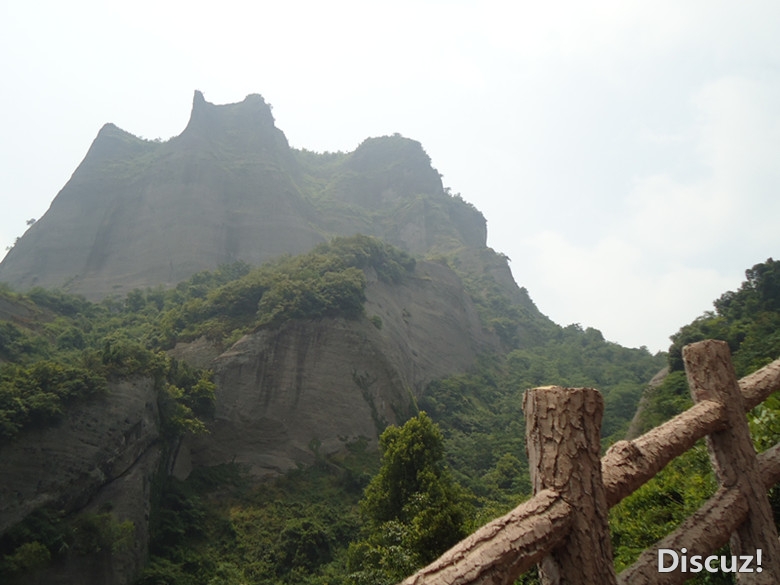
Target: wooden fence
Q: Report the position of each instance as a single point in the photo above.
(563, 528)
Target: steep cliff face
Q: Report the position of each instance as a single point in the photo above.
(138, 213)
(285, 395)
(101, 457)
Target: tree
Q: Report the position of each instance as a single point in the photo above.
(413, 509)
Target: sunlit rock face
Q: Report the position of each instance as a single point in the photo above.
(140, 213)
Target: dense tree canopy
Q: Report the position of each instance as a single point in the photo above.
(413, 511)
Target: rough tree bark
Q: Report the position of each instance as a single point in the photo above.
(711, 377)
(757, 387)
(563, 442)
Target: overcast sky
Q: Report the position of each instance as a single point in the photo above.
(625, 154)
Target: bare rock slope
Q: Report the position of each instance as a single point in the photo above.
(139, 213)
(286, 395)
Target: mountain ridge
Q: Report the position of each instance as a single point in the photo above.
(139, 213)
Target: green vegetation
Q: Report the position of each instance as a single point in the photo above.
(747, 320)
(47, 535)
(36, 395)
(412, 509)
(516, 321)
(313, 526)
(37, 391)
(326, 282)
(73, 349)
(352, 519)
(481, 417)
(215, 527)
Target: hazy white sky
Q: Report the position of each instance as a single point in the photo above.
(624, 153)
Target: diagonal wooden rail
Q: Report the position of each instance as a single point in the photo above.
(546, 528)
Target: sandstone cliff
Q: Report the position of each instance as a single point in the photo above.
(139, 213)
(101, 457)
(287, 394)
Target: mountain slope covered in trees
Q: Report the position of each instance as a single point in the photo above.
(259, 317)
(205, 513)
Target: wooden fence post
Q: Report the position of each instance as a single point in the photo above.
(563, 427)
(711, 377)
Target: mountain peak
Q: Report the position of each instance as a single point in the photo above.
(249, 118)
(138, 213)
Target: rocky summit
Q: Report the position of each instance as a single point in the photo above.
(139, 213)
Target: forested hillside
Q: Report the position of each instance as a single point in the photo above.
(309, 526)
(219, 525)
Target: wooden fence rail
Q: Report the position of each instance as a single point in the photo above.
(563, 527)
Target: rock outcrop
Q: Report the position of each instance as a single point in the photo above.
(139, 213)
(102, 456)
(289, 394)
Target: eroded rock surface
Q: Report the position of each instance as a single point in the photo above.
(102, 456)
(285, 395)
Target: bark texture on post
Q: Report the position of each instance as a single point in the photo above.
(628, 465)
(757, 386)
(769, 463)
(563, 428)
(711, 377)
